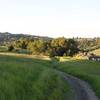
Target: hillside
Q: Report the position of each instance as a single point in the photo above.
(8, 37)
(96, 52)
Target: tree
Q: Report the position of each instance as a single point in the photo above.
(55, 47)
(72, 47)
(60, 45)
(38, 46)
(10, 48)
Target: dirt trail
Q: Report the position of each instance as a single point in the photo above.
(81, 88)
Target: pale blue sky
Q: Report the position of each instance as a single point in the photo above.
(69, 18)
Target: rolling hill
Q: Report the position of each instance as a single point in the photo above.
(96, 52)
(8, 37)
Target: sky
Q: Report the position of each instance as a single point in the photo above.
(54, 18)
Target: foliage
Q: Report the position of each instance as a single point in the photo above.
(87, 45)
(11, 48)
(49, 46)
(54, 47)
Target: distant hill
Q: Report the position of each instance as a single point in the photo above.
(8, 37)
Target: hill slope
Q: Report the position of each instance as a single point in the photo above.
(7, 37)
(96, 52)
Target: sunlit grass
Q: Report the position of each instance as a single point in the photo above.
(97, 52)
(30, 79)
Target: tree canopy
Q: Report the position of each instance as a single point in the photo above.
(54, 47)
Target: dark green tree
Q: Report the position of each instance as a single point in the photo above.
(10, 48)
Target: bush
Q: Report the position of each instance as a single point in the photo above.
(11, 48)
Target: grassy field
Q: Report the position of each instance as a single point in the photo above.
(97, 52)
(84, 69)
(30, 79)
(3, 49)
(24, 78)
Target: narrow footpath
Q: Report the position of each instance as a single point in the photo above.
(81, 89)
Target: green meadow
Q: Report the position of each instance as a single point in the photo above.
(23, 78)
(31, 79)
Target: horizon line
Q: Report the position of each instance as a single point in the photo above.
(31, 34)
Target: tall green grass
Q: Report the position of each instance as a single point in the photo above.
(30, 79)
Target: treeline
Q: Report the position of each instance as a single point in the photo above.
(53, 47)
(88, 44)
